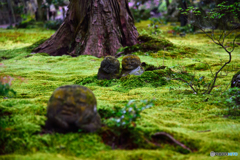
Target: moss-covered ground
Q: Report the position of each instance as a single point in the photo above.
(198, 121)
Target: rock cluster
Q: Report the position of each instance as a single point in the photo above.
(71, 108)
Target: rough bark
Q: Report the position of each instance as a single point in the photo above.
(93, 27)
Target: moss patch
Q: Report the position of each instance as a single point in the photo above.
(195, 120)
(158, 47)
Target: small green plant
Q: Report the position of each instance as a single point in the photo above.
(126, 117)
(232, 100)
(154, 26)
(120, 125)
(186, 29)
(5, 83)
(5, 90)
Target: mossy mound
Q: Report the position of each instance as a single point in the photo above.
(148, 43)
(157, 47)
(153, 78)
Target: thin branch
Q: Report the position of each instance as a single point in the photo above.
(208, 36)
(226, 88)
(151, 143)
(234, 42)
(173, 139)
(208, 67)
(185, 82)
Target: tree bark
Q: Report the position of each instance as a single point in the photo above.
(40, 11)
(167, 3)
(93, 27)
(11, 12)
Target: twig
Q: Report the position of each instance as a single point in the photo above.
(185, 82)
(119, 54)
(173, 139)
(151, 143)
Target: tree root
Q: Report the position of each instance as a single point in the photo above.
(170, 137)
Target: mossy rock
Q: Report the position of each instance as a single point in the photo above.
(109, 68)
(236, 80)
(73, 108)
(130, 62)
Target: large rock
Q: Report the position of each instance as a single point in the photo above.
(71, 108)
(131, 64)
(109, 68)
(236, 80)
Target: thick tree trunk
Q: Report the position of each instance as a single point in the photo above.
(93, 27)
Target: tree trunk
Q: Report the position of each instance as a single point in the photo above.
(183, 18)
(168, 3)
(93, 27)
(11, 13)
(40, 11)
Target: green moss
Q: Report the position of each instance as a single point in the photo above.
(86, 80)
(201, 66)
(159, 47)
(154, 78)
(148, 43)
(195, 120)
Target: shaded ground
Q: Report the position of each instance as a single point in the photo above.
(189, 118)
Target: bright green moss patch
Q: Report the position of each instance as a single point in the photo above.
(197, 121)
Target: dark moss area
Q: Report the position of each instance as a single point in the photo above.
(148, 43)
(157, 47)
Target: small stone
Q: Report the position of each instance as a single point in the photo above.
(71, 108)
(109, 68)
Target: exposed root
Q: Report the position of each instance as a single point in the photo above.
(173, 139)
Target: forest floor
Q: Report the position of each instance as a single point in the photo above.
(201, 122)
